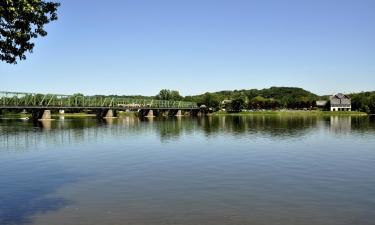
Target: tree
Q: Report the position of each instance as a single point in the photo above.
(166, 94)
(372, 103)
(258, 102)
(175, 95)
(20, 22)
(210, 100)
(237, 104)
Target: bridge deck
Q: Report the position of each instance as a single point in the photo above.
(17, 100)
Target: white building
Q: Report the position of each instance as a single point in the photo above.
(321, 104)
(340, 102)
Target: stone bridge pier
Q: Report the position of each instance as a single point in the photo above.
(198, 112)
(179, 113)
(171, 112)
(106, 114)
(148, 113)
(41, 114)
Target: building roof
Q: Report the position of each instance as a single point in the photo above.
(340, 96)
(340, 100)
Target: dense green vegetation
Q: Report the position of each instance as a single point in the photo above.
(264, 100)
(21, 22)
(166, 94)
(364, 101)
(270, 98)
(13, 115)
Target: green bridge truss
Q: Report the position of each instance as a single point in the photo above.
(15, 100)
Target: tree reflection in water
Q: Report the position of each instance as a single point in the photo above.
(20, 134)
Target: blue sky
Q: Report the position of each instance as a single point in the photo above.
(141, 46)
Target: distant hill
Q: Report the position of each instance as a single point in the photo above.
(272, 92)
(272, 98)
(290, 97)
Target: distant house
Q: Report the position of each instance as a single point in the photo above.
(340, 102)
(225, 104)
(321, 104)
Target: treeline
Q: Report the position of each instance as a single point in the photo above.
(269, 98)
(363, 101)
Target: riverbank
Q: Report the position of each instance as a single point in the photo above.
(220, 113)
(291, 113)
(74, 115)
(15, 115)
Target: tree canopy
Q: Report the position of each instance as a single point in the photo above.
(20, 22)
(363, 101)
(166, 94)
(269, 98)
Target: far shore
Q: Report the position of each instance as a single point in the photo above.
(218, 113)
(291, 113)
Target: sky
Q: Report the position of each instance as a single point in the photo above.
(129, 47)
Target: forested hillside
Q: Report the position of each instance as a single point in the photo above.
(269, 98)
(363, 101)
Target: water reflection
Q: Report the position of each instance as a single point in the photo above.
(268, 125)
(109, 121)
(222, 170)
(46, 124)
(19, 134)
(341, 124)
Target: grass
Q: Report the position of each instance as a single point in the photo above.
(345, 113)
(14, 115)
(74, 115)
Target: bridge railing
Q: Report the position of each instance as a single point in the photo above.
(17, 99)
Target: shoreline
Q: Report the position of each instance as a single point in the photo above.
(290, 113)
(219, 113)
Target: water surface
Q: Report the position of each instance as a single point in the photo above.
(257, 170)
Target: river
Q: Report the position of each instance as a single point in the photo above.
(242, 170)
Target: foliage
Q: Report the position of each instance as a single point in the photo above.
(211, 100)
(271, 98)
(364, 101)
(237, 105)
(207, 99)
(166, 94)
(20, 22)
(260, 102)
